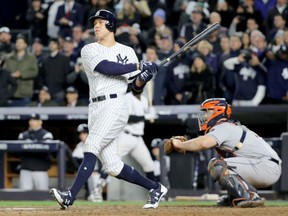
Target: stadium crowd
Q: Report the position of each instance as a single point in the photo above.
(245, 61)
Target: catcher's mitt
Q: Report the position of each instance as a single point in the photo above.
(169, 147)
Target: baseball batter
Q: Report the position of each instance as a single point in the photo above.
(246, 161)
(108, 66)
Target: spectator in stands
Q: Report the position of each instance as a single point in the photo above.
(194, 27)
(68, 15)
(8, 84)
(44, 99)
(227, 80)
(177, 73)
(55, 67)
(286, 36)
(245, 10)
(250, 78)
(245, 38)
(37, 50)
(277, 71)
(278, 24)
(68, 51)
(52, 29)
(24, 68)
(263, 6)
(78, 42)
(78, 79)
(137, 41)
(251, 25)
(165, 46)
(36, 17)
(281, 7)
(159, 27)
(206, 50)
(156, 89)
(96, 5)
(6, 44)
(34, 166)
(278, 40)
(225, 10)
(127, 15)
(259, 46)
(72, 98)
(216, 18)
(199, 83)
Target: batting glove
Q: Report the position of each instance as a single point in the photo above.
(150, 66)
(145, 76)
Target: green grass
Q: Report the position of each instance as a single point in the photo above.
(111, 203)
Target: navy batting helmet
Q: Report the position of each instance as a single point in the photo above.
(106, 15)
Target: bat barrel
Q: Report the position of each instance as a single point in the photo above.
(202, 35)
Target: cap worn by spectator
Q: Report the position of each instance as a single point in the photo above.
(82, 128)
(68, 39)
(284, 49)
(35, 116)
(4, 29)
(37, 40)
(160, 13)
(21, 36)
(71, 89)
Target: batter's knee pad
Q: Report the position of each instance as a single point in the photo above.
(216, 168)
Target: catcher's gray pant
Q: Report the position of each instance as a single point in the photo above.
(135, 146)
(37, 180)
(260, 173)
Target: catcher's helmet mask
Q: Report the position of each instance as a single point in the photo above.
(221, 109)
(106, 15)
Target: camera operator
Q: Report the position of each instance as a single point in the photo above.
(250, 78)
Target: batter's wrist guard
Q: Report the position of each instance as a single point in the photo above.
(136, 90)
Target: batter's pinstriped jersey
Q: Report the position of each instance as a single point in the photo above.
(100, 84)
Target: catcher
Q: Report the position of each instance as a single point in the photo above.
(246, 161)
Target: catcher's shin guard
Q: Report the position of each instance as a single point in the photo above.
(238, 188)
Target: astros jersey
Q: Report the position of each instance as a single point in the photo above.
(228, 135)
(101, 84)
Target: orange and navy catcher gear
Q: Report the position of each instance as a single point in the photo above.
(221, 109)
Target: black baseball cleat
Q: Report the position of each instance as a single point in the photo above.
(224, 201)
(155, 196)
(64, 198)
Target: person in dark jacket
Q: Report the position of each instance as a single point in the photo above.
(8, 85)
(34, 166)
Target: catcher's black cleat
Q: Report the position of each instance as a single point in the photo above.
(64, 198)
(155, 196)
(255, 201)
(224, 201)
